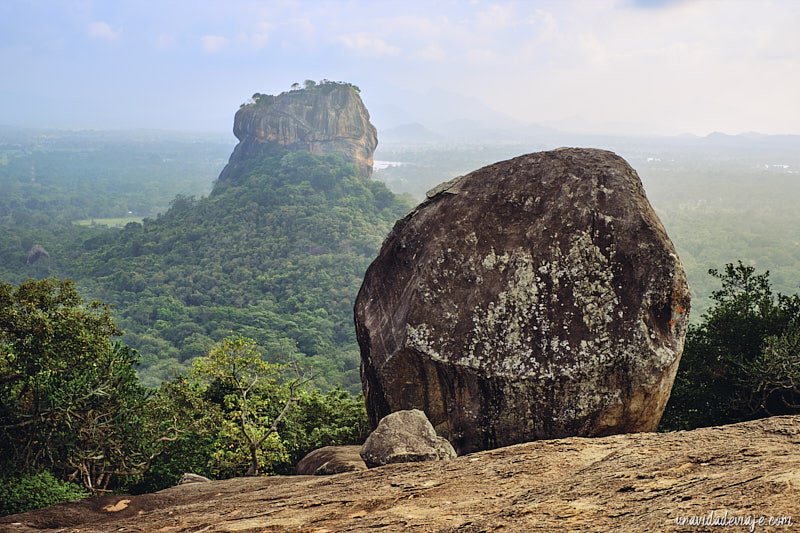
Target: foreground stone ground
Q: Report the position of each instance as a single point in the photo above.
(636, 482)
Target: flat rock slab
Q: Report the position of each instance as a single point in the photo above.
(637, 482)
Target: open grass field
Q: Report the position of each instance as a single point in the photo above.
(110, 222)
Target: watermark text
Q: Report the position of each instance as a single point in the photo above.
(725, 519)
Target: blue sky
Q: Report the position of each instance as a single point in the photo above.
(655, 66)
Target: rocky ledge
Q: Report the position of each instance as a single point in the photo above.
(634, 482)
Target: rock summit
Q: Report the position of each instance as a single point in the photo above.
(328, 118)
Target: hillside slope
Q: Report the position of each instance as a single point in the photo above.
(278, 255)
(276, 252)
(634, 482)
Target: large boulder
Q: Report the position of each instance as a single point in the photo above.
(405, 437)
(331, 460)
(329, 118)
(534, 298)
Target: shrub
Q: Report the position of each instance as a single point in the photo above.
(741, 361)
(22, 493)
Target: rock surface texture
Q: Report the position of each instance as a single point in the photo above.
(331, 460)
(327, 119)
(405, 437)
(638, 482)
(534, 298)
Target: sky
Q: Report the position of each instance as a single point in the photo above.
(663, 67)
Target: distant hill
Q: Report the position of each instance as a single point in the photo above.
(277, 255)
(276, 252)
(412, 132)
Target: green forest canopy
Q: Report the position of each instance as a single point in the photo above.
(75, 420)
(278, 256)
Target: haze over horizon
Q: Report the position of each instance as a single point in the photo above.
(661, 67)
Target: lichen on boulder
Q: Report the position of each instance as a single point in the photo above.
(535, 298)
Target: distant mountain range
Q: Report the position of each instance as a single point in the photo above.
(443, 116)
(476, 131)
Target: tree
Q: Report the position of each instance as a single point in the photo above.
(52, 349)
(724, 371)
(309, 84)
(248, 388)
(773, 378)
(184, 439)
(123, 437)
(71, 399)
(332, 419)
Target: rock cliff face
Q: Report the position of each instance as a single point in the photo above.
(534, 298)
(327, 119)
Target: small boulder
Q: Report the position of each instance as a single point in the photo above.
(405, 437)
(192, 478)
(36, 253)
(444, 450)
(331, 460)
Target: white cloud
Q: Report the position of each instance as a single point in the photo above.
(547, 24)
(690, 65)
(693, 66)
(302, 28)
(497, 17)
(366, 45)
(481, 56)
(213, 43)
(259, 38)
(101, 30)
(164, 41)
(413, 26)
(433, 52)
